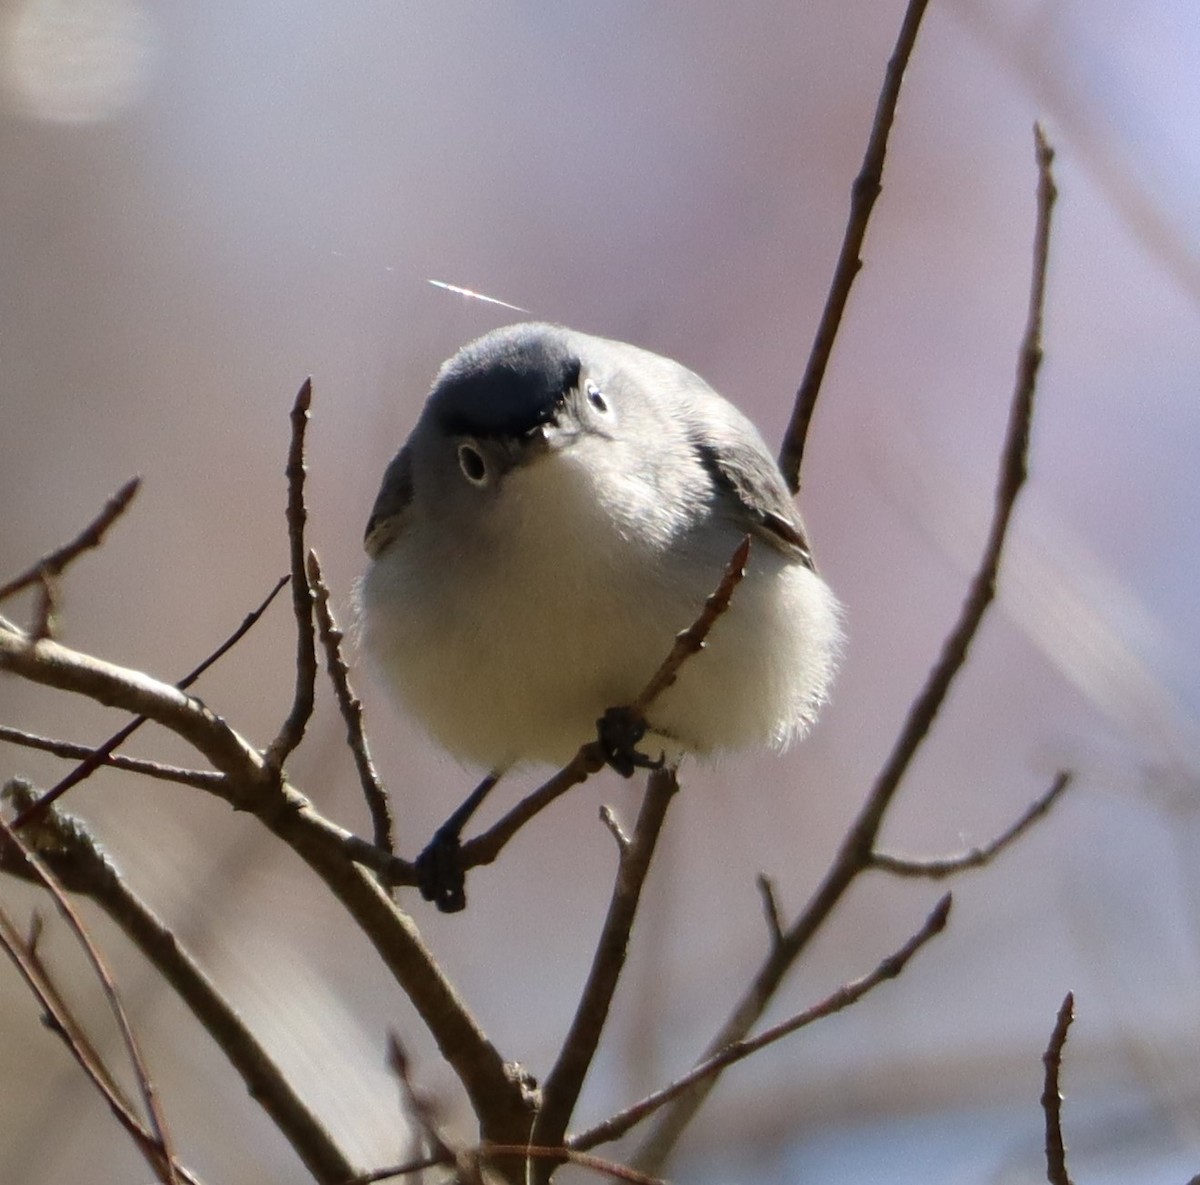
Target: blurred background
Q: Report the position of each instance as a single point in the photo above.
(202, 204)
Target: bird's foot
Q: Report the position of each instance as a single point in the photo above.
(440, 875)
(619, 730)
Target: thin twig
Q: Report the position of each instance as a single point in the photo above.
(1056, 1152)
(146, 1087)
(291, 732)
(486, 846)
(61, 1021)
(771, 911)
(856, 851)
(102, 754)
(202, 779)
(977, 857)
(351, 709)
(866, 188)
(591, 758)
(560, 1091)
(83, 867)
(691, 640)
(50, 566)
(846, 995)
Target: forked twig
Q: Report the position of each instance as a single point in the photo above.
(52, 565)
(60, 1020)
(154, 1113)
(867, 187)
(847, 994)
(1056, 1152)
(351, 709)
(856, 853)
(291, 732)
(84, 868)
(103, 754)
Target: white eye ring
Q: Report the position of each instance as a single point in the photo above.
(471, 462)
(596, 398)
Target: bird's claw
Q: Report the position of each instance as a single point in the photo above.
(619, 730)
(440, 875)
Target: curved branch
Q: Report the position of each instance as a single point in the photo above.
(940, 868)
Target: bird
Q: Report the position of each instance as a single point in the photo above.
(560, 511)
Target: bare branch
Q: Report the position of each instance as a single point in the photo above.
(149, 1095)
(564, 1082)
(199, 778)
(1056, 1153)
(938, 869)
(846, 995)
(52, 565)
(351, 709)
(62, 1022)
(103, 754)
(866, 188)
(251, 786)
(90, 872)
(856, 852)
(291, 733)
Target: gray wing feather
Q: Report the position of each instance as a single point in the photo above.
(736, 458)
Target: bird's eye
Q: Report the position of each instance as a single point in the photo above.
(472, 464)
(596, 397)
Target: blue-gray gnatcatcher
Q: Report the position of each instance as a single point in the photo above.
(561, 510)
